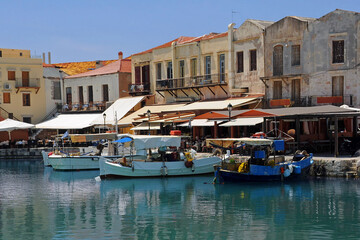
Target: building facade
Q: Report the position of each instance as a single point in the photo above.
(213, 66)
(313, 61)
(22, 87)
(99, 88)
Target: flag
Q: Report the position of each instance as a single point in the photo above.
(66, 134)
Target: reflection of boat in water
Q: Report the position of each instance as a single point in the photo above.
(260, 167)
(166, 161)
(66, 176)
(143, 185)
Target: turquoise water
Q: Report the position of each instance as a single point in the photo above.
(38, 203)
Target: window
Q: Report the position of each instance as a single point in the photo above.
(105, 92)
(278, 60)
(158, 71)
(68, 95)
(25, 79)
(11, 75)
(0, 53)
(207, 67)
(90, 94)
(222, 67)
(295, 90)
(277, 94)
(27, 119)
(338, 51)
(21, 54)
(137, 76)
(193, 63)
(145, 74)
(56, 90)
(6, 97)
(81, 95)
(295, 55)
(240, 62)
(338, 86)
(181, 68)
(169, 72)
(26, 99)
(253, 60)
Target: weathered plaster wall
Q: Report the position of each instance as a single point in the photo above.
(286, 32)
(248, 37)
(337, 25)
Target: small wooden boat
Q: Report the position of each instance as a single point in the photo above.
(157, 156)
(59, 159)
(262, 166)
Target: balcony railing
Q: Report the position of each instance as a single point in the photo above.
(197, 81)
(139, 88)
(75, 106)
(32, 83)
(309, 101)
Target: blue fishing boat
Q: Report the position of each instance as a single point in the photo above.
(263, 164)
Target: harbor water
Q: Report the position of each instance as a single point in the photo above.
(39, 203)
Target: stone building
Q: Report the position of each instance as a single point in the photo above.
(247, 57)
(312, 61)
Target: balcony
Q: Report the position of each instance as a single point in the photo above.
(27, 84)
(191, 82)
(309, 101)
(139, 89)
(82, 107)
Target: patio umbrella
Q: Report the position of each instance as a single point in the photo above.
(10, 125)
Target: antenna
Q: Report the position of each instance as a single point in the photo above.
(232, 15)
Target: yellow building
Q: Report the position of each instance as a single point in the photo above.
(22, 91)
(212, 66)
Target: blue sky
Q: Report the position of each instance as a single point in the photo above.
(86, 30)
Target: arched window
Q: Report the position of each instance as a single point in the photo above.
(278, 60)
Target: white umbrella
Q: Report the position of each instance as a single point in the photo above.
(10, 124)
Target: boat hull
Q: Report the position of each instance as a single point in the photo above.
(156, 169)
(45, 158)
(73, 163)
(266, 173)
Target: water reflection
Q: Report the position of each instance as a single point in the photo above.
(38, 203)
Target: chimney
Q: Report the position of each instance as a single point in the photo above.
(98, 64)
(120, 55)
(43, 57)
(49, 57)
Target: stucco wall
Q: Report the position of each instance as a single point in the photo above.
(112, 80)
(37, 109)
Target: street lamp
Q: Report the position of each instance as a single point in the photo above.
(148, 113)
(229, 107)
(104, 116)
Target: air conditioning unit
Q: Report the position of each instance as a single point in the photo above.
(7, 86)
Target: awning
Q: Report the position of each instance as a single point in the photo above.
(70, 121)
(243, 122)
(128, 120)
(121, 107)
(10, 124)
(145, 142)
(217, 105)
(199, 123)
(145, 126)
(92, 137)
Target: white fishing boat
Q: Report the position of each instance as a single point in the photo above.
(156, 156)
(67, 161)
